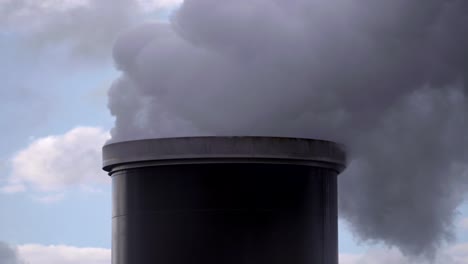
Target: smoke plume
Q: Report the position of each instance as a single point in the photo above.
(387, 78)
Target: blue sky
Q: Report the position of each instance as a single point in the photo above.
(72, 96)
(49, 91)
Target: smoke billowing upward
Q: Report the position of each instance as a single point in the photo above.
(388, 78)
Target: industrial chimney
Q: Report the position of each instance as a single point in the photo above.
(224, 200)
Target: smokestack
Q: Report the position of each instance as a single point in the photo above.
(222, 200)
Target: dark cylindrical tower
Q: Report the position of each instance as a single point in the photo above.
(224, 200)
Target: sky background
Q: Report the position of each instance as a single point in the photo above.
(56, 69)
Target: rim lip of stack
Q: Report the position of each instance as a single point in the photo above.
(212, 150)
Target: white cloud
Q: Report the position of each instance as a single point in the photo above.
(13, 187)
(40, 254)
(457, 254)
(374, 256)
(464, 224)
(62, 254)
(460, 253)
(55, 163)
(349, 258)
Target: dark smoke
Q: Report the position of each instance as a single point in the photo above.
(388, 78)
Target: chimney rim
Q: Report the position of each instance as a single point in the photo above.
(223, 149)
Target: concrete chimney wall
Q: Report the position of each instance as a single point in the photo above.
(224, 200)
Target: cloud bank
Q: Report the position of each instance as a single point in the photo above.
(52, 254)
(453, 255)
(387, 78)
(61, 254)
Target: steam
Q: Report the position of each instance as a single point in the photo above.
(387, 78)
